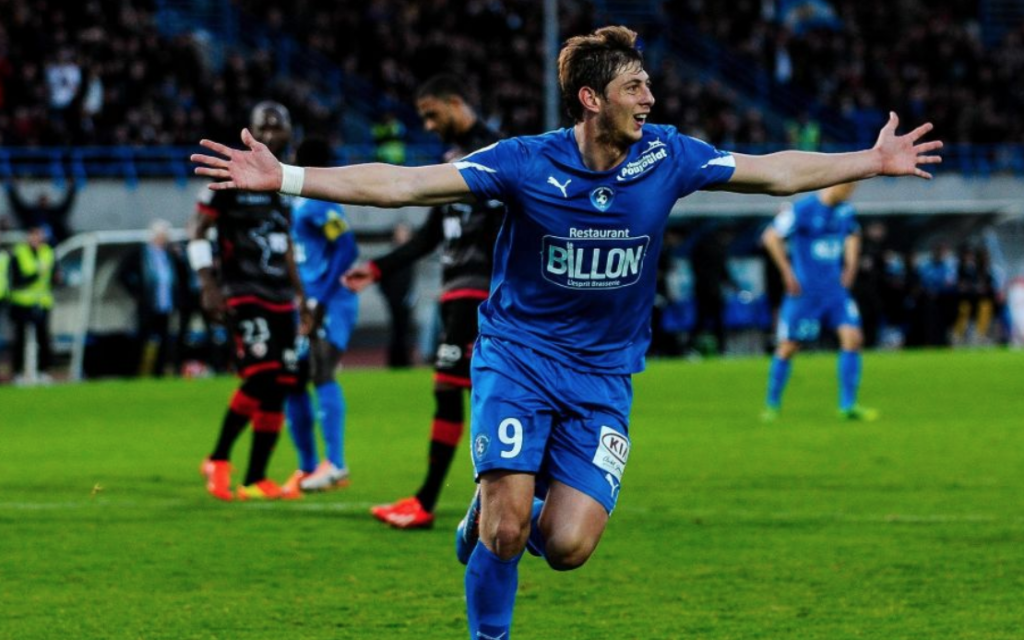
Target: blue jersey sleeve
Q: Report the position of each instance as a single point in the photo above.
(699, 164)
(329, 245)
(492, 173)
(846, 214)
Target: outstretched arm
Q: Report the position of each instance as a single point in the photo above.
(375, 184)
(789, 172)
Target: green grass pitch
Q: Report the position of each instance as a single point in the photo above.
(911, 527)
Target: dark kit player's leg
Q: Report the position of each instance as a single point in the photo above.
(451, 381)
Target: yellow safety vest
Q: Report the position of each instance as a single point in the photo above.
(37, 292)
(5, 263)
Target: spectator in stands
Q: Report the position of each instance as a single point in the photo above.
(804, 133)
(150, 274)
(869, 286)
(975, 293)
(663, 341)
(52, 216)
(896, 300)
(937, 276)
(5, 274)
(709, 261)
(33, 275)
(389, 136)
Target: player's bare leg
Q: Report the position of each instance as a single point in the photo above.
(570, 526)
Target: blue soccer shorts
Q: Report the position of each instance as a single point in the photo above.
(802, 317)
(340, 319)
(532, 413)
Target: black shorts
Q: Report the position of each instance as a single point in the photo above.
(455, 347)
(264, 335)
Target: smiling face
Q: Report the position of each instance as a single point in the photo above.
(624, 106)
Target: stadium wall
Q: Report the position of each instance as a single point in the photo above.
(105, 205)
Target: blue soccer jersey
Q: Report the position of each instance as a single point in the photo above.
(325, 247)
(816, 234)
(575, 260)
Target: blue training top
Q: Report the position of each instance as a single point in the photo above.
(816, 234)
(576, 259)
(325, 247)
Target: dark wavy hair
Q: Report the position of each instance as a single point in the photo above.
(593, 61)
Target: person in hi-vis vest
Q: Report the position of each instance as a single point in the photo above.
(5, 275)
(30, 295)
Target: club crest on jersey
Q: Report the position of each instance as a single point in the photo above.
(594, 259)
(480, 446)
(602, 197)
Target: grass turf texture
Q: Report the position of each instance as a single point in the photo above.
(910, 527)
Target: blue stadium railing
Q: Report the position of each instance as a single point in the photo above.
(134, 163)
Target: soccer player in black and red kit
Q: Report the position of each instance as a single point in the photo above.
(252, 285)
(466, 234)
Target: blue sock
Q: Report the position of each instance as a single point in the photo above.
(778, 376)
(299, 407)
(491, 585)
(536, 543)
(332, 421)
(849, 378)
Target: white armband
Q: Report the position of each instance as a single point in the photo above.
(292, 178)
(200, 254)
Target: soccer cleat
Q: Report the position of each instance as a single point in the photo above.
(859, 413)
(468, 532)
(326, 477)
(264, 489)
(291, 489)
(407, 513)
(770, 414)
(218, 478)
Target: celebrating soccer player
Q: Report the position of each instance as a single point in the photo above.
(824, 250)
(568, 319)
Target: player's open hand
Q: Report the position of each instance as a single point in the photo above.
(903, 155)
(358, 277)
(255, 169)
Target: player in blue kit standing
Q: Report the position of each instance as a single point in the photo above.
(817, 270)
(568, 318)
(325, 247)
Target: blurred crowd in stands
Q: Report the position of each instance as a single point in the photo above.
(100, 72)
(863, 58)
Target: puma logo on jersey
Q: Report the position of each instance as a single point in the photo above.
(561, 187)
(612, 483)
